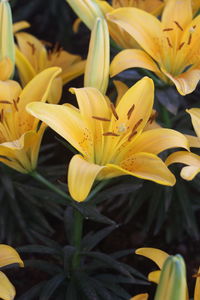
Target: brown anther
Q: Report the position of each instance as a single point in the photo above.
(114, 111)
(137, 124)
(49, 53)
(59, 52)
(167, 29)
(46, 43)
(194, 26)
(17, 100)
(32, 47)
(129, 113)
(169, 43)
(181, 45)
(153, 117)
(56, 47)
(133, 133)
(196, 275)
(178, 25)
(15, 104)
(189, 39)
(100, 119)
(110, 134)
(5, 102)
(1, 116)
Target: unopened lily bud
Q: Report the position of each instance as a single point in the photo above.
(98, 60)
(172, 284)
(7, 49)
(86, 10)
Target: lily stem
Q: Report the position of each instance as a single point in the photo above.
(77, 237)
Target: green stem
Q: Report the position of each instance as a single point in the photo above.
(77, 237)
(166, 117)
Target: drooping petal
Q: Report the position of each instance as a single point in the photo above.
(66, 122)
(73, 71)
(9, 255)
(7, 290)
(193, 141)
(154, 276)
(140, 297)
(142, 26)
(17, 26)
(81, 176)
(187, 158)
(132, 58)
(157, 255)
(121, 88)
(146, 166)
(9, 90)
(197, 287)
(185, 82)
(195, 116)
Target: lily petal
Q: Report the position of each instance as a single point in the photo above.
(20, 25)
(140, 297)
(197, 287)
(154, 276)
(121, 88)
(84, 173)
(193, 141)
(157, 255)
(7, 290)
(6, 68)
(132, 58)
(9, 255)
(142, 26)
(146, 166)
(195, 116)
(73, 71)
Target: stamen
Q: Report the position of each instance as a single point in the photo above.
(178, 25)
(137, 124)
(153, 117)
(100, 119)
(17, 100)
(192, 29)
(169, 43)
(196, 275)
(32, 47)
(110, 134)
(181, 45)
(114, 111)
(168, 29)
(5, 102)
(190, 39)
(133, 133)
(1, 116)
(15, 104)
(129, 113)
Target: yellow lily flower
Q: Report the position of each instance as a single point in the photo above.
(20, 136)
(170, 46)
(111, 140)
(32, 58)
(192, 160)
(8, 256)
(120, 36)
(98, 60)
(160, 257)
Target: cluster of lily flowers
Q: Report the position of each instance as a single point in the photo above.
(112, 139)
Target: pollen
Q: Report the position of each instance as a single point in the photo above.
(122, 128)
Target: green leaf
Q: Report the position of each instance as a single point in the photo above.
(50, 287)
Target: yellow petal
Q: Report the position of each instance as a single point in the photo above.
(195, 116)
(7, 290)
(66, 122)
(9, 255)
(140, 297)
(76, 25)
(146, 166)
(142, 26)
(132, 58)
(9, 90)
(55, 92)
(185, 82)
(81, 176)
(6, 68)
(38, 88)
(197, 287)
(20, 25)
(157, 140)
(98, 59)
(193, 141)
(121, 88)
(73, 71)
(154, 276)
(157, 255)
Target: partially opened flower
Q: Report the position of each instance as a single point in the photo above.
(32, 57)
(190, 159)
(8, 256)
(20, 135)
(170, 46)
(111, 140)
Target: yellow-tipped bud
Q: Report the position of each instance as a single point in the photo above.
(86, 10)
(7, 48)
(98, 60)
(172, 284)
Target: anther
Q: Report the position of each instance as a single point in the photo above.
(15, 104)
(32, 47)
(129, 113)
(169, 43)
(190, 39)
(17, 100)
(100, 119)
(178, 25)
(114, 111)
(5, 102)
(1, 116)
(110, 134)
(181, 45)
(133, 133)
(153, 117)
(167, 29)
(137, 124)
